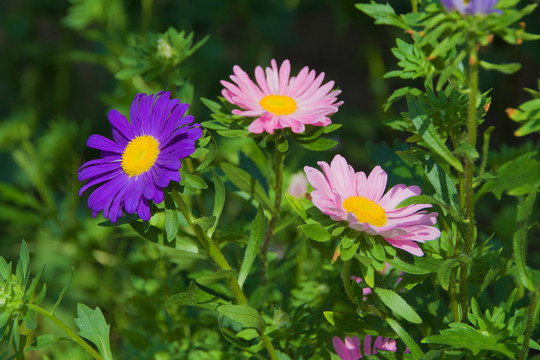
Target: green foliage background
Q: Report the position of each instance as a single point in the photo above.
(57, 82)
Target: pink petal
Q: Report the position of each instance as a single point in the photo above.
(376, 184)
(397, 194)
(408, 246)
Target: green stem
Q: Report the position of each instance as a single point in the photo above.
(469, 174)
(453, 299)
(278, 190)
(485, 150)
(213, 250)
(414, 5)
(533, 309)
(346, 275)
(67, 330)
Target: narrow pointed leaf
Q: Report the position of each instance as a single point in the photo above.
(246, 183)
(244, 314)
(398, 305)
(258, 229)
(415, 350)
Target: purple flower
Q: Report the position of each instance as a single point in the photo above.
(143, 157)
(471, 7)
(350, 348)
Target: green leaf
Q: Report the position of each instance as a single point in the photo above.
(320, 144)
(315, 232)
(524, 211)
(350, 322)
(504, 68)
(296, 206)
(233, 133)
(383, 14)
(244, 314)
(212, 152)
(231, 337)
(195, 181)
(207, 280)
(197, 295)
(258, 229)
(425, 128)
(415, 350)
(171, 219)
(23, 265)
(283, 144)
(205, 222)
(150, 233)
(407, 267)
(523, 171)
(219, 200)
(442, 183)
(464, 336)
(92, 326)
(445, 270)
(398, 305)
(40, 342)
(247, 183)
(212, 105)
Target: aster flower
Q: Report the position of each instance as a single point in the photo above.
(350, 348)
(143, 157)
(471, 7)
(346, 195)
(279, 102)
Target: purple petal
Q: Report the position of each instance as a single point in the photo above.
(121, 129)
(96, 170)
(134, 191)
(144, 209)
(102, 143)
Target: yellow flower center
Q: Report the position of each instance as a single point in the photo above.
(278, 104)
(140, 155)
(365, 210)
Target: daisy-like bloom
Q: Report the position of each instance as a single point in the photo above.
(143, 157)
(350, 348)
(278, 101)
(471, 7)
(346, 195)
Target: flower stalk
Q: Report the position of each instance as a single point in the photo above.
(470, 235)
(215, 253)
(80, 341)
(278, 191)
(531, 317)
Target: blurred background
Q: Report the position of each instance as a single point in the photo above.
(58, 61)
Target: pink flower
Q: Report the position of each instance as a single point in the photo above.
(278, 101)
(350, 348)
(346, 195)
(298, 185)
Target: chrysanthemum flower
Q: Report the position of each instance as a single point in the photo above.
(350, 348)
(471, 7)
(346, 195)
(278, 101)
(143, 157)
